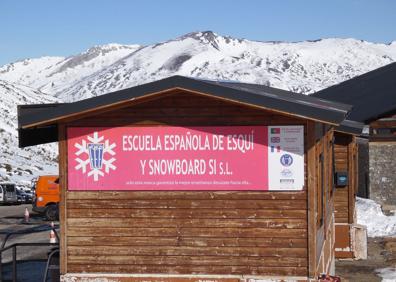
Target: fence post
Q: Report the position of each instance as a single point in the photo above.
(14, 264)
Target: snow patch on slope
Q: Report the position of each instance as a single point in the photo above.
(369, 213)
(53, 74)
(21, 165)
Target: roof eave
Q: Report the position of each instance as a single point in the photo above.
(350, 127)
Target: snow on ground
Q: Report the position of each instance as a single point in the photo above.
(387, 274)
(369, 213)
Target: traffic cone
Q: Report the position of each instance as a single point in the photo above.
(26, 215)
(52, 234)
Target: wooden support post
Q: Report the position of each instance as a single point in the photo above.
(351, 179)
(311, 179)
(62, 204)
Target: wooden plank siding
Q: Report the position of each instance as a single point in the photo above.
(181, 232)
(312, 204)
(187, 109)
(323, 203)
(344, 196)
(190, 229)
(344, 200)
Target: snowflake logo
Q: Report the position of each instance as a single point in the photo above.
(95, 151)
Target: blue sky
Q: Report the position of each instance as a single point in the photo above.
(34, 28)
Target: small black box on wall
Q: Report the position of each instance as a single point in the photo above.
(341, 178)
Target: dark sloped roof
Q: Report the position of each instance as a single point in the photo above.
(26, 111)
(372, 94)
(283, 95)
(251, 94)
(39, 135)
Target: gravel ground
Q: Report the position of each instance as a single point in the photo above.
(381, 254)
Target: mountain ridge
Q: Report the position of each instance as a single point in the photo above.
(304, 66)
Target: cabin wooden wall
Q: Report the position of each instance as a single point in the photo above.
(321, 201)
(241, 233)
(345, 158)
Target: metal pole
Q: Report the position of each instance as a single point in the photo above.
(8, 235)
(49, 263)
(14, 264)
(1, 268)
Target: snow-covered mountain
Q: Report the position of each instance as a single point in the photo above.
(54, 74)
(21, 165)
(303, 67)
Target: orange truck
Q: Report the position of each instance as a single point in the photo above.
(46, 196)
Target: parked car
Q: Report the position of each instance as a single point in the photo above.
(8, 194)
(25, 196)
(28, 197)
(46, 196)
(21, 199)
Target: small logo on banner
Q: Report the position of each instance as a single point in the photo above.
(286, 181)
(95, 153)
(275, 130)
(275, 139)
(286, 173)
(278, 149)
(286, 160)
(272, 149)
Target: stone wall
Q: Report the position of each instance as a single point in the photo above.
(383, 173)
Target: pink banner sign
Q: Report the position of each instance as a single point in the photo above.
(168, 158)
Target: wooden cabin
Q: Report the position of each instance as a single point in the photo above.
(259, 209)
(373, 97)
